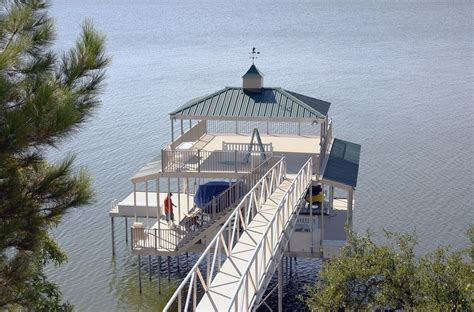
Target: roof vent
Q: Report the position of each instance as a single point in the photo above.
(252, 80)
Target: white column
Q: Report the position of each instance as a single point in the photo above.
(146, 202)
(322, 220)
(135, 201)
(179, 200)
(158, 209)
(187, 193)
(172, 130)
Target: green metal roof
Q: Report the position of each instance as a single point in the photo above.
(253, 72)
(235, 103)
(343, 163)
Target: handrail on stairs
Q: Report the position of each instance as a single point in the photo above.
(258, 265)
(227, 236)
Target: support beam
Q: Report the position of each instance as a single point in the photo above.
(113, 235)
(350, 200)
(158, 277)
(182, 126)
(322, 222)
(179, 200)
(280, 286)
(139, 275)
(149, 268)
(311, 213)
(169, 268)
(172, 130)
(126, 230)
(158, 209)
(135, 201)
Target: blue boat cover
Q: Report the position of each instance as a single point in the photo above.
(209, 190)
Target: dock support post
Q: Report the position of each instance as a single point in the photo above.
(139, 275)
(350, 200)
(280, 286)
(149, 268)
(113, 235)
(178, 263)
(322, 221)
(169, 268)
(126, 230)
(291, 267)
(158, 274)
(311, 214)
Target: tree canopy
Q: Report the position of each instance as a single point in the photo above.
(44, 98)
(368, 276)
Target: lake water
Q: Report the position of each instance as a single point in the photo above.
(399, 76)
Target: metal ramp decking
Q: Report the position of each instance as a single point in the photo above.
(226, 281)
(241, 259)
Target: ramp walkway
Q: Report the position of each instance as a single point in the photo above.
(234, 271)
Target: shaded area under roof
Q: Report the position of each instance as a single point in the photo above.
(233, 103)
(343, 163)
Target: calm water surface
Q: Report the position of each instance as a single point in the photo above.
(399, 75)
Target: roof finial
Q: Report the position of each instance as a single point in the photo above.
(253, 55)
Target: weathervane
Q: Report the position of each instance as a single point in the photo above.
(253, 55)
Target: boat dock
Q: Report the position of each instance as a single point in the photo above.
(255, 174)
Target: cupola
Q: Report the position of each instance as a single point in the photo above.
(252, 81)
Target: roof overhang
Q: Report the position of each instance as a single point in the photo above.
(341, 168)
(241, 118)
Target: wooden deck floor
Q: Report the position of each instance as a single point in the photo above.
(226, 281)
(280, 143)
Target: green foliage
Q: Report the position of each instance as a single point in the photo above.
(368, 276)
(44, 98)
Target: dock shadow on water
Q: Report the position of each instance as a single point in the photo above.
(124, 282)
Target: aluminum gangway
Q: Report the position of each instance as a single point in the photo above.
(236, 267)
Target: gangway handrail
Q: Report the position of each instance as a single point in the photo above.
(301, 183)
(256, 196)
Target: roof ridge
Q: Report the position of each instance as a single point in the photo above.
(195, 101)
(294, 98)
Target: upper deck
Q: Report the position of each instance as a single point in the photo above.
(211, 149)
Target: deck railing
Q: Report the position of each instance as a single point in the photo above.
(229, 146)
(226, 238)
(153, 238)
(211, 161)
(224, 203)
(209, 213)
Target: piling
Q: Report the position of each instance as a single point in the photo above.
(113, 235)
(139, 275)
